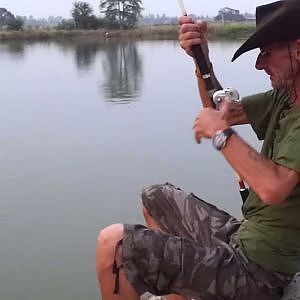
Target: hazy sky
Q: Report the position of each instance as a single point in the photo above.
(43, 8)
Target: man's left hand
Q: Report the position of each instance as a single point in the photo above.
(209, 121)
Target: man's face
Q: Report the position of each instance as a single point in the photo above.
(276, 60)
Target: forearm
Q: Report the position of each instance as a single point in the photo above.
(261, 174)
(206, 98)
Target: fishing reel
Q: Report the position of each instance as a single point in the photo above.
(230, 94)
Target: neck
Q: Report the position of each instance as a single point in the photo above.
(294, 92)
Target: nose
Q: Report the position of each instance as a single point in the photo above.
(260, 62)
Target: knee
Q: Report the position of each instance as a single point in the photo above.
(106, 244)
(158, 197)
(109, 236)
(152, 196)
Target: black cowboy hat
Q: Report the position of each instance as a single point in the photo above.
(275, 22)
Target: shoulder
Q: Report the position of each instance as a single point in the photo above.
(280, 96)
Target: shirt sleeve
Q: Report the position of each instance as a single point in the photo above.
(258, 109)
(288, 153)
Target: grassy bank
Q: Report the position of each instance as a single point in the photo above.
(231, 30)
(216, 30)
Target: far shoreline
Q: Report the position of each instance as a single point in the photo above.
(230, 31)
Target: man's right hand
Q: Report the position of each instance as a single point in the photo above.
(192, 33)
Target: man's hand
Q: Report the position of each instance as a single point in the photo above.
(210, 120)
(192, 33)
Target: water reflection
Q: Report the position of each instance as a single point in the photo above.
(122, 67)
(85, 54)
(14, 48)
(123, 72)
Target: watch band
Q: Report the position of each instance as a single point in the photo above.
(228, 132)
(220, 138)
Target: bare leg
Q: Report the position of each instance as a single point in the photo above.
(153, 225)
(106, 244)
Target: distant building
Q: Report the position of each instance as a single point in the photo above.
(229, 11)
(250, 17)
(227, 14)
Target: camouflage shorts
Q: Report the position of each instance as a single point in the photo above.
(192, 255)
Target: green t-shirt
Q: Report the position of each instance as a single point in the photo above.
(270, 235)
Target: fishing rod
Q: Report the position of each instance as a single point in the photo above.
(203, 70)
(210, 94)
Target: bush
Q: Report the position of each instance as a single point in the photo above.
(15, 24)
(66, 25)
(232, 30)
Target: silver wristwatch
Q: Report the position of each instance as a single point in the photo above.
(220, 138)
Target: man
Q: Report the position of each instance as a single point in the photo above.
(193, 249)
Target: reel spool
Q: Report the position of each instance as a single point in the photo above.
(230, 94)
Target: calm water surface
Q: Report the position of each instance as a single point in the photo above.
(83, 128)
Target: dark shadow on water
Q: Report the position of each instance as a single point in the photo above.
(123, 73)
(85, 55)
(15, 48)
(85, 52)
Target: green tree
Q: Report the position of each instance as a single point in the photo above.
(121, 13)
(15, 24)
(5, 17)
(82, 14)
(9, 21)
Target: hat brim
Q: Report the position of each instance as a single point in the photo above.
(260, 38)
(250, 44)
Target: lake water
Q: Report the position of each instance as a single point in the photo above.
(83, 128)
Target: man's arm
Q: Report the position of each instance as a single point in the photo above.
(271, 182)
(235, 114)
(190, 34)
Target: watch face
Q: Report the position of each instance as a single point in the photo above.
(219, 140)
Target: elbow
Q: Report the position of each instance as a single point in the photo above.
(275, 188)
(271, 196)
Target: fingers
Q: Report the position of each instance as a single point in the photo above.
(198, 132)
(189, 39)
(191, 33)
(201, 25)
(192, 27)
(226, 109)
(225, 105)
(198, 139)
(185, 19)
(207, 123)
